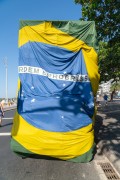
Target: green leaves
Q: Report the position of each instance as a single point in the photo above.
(105, 13)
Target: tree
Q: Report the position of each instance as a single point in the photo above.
(105, 13)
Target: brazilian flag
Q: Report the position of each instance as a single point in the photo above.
(58, 80)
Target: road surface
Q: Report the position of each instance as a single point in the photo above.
(13, 167)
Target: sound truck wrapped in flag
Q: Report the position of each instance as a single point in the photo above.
(58, 80)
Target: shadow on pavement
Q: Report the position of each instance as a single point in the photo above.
(6, 125)
(107, 131)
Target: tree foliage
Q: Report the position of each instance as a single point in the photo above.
(109, 63)
(106, 15)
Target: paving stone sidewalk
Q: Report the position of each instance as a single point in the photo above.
(107, 129)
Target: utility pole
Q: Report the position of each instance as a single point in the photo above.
(6, 77)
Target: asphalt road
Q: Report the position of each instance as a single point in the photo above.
(13, 167)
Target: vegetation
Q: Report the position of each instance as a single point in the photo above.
(105, 13)
(115, 86)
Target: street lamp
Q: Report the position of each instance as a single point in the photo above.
(6, 70)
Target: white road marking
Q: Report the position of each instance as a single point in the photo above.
(8, 118)
(5, 134)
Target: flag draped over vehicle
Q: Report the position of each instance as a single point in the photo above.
(58, 79)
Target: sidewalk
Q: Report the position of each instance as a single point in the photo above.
(107, 128)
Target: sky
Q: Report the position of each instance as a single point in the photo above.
(11, 12)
